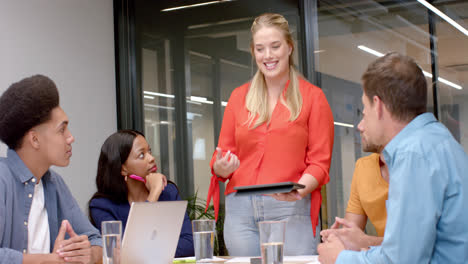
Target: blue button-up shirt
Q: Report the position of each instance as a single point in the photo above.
(427, 216)
(16, 195)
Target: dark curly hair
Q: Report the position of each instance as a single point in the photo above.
(24, 105)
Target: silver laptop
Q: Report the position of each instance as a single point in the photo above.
(152, 232)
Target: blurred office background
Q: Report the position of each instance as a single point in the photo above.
(180, 61)
(177, 62)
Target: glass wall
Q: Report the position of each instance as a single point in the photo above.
(354, 33)
(184, 63)
(452, 54)
(159, 104)
(189, 60)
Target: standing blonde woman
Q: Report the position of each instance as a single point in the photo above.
(276, 128)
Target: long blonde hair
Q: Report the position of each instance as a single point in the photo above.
(256, 100)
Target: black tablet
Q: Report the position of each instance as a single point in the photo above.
(280, 187)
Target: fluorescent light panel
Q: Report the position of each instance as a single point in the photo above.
(343, 124)
(454, 85)
(371, 51)
(159, 106)
(444, 16)
(199, 99)
(159, 94)
(194, 99)
(194, 5)
(194, 103)
(442, 80)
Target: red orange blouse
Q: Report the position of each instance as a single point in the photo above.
(281, 151)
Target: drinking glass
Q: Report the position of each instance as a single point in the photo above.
(272, 235)
(203, 238)
(111, 237)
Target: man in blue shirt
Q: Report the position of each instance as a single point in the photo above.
(428, 191)
(40, 221)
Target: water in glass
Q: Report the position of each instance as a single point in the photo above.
(272, 253)
(111, 245)
(203, 244)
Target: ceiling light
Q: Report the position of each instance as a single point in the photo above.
(192, 102)
(428, 75)
(148, 97)
(159, 94)
(371, 51)
(159, 106)
(444, 16)
(343, 124)
(442, 80)
(200, 99)
(194, 5)
(454, 85)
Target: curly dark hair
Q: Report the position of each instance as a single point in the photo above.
(24, 105)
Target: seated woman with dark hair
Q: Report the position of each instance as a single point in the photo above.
(127, 173)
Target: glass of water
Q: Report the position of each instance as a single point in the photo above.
(203, 238)
(111, 237)
(272, 235)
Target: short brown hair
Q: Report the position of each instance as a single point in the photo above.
(399, 82)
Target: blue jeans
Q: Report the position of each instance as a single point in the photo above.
(243, 213)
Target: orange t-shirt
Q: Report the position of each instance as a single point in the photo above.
(369, 191)
(281, 151)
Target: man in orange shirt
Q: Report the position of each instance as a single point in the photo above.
(369, 191)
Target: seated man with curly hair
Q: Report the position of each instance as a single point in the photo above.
(40, 221)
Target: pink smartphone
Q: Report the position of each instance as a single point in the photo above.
(138, 178)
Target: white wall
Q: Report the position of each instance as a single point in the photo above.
(72, 42)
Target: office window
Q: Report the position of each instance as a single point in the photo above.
(189, 60)
(182, 65)
(452, 81)
(351, 35)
